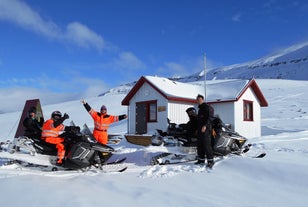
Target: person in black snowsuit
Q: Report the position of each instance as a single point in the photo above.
(192, 125)
(189, 129)
(204, 145)
(33, 124)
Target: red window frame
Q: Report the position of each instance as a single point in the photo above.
(152, 111)
(248, 110)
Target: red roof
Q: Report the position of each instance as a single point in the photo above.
(254, 86)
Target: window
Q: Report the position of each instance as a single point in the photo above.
(248, 110)
(152, 108)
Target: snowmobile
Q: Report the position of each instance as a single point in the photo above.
(82, 150)
(224, 140)
(176, 135)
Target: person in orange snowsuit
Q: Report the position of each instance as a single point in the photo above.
(102, 121)
(51, 130)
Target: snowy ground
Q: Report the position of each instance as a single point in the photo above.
(279, 179)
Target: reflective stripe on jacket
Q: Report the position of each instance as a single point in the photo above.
(49, 130)
(101, 123)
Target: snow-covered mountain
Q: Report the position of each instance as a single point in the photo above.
(122, 89)
(290, 63)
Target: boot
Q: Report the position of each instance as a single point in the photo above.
(200, 162)
(60, 158)
(210, 164)
(59, 162)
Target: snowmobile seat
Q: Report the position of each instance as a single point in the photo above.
(46, 148)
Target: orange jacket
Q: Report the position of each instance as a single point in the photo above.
(49, 130)
(102, 122)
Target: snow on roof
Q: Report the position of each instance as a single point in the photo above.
(224, 90)
(216, 90)
(175, 89)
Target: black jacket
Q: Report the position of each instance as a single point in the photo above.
(203, 115)
(33, 127)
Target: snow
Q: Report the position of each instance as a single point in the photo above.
(279, 179)
(174, 88)
(223, 90)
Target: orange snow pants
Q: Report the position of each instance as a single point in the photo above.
(101, 136)
(59, 145)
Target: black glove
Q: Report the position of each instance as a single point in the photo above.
(124, 116)
(65, 116)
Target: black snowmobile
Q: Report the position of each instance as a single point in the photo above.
(82, 150)
(176, 135)
(224, 140)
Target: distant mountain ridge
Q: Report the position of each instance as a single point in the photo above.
(122, 89)
(290, 63)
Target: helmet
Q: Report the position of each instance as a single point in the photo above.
(56, 115)
(103, 108)
(191, 111)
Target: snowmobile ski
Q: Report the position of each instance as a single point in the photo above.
(261, 155)
(117, 169)
(246, 148)
(117, 161)
(172, 158)
(107, 168)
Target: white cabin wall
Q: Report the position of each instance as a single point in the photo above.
(177, 112)
(248, 129)
(226, 112)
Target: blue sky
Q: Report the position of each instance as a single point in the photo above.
(63, 50)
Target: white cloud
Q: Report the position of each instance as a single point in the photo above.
(89, 87)
(83, 36)
(185, 66)
(237, 17)
(14, 92)
(21, 14)
(13, 99)
(175, 69)
(24, 16)
(129, 60)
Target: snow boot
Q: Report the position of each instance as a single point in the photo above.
(200, 162)
(210, 164)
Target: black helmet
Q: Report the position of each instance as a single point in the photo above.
(191, 111)
(56, 115)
